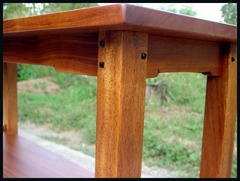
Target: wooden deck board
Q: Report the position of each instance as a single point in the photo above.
(25, 159)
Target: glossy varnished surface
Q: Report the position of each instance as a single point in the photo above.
(220, 119)
(175, 25)
(78, 53)
(85, 20)
(68, 40)
(173, 43)
(120, 105)
(121, 17)
(10, 106)
(168, 54)
(74, 53)
(25, 159)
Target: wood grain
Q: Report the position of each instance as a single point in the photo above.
(167, 54)
(77, 53)
(10, 105)
(88, 19)
(175, 25)
(120, 104)
(25, 159)
(220, 119)
(4, 127)
(121, 17)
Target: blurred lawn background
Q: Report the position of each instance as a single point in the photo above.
(172, 129)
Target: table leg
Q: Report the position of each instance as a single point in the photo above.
(220, 118)
(120, 103)
(10, 109)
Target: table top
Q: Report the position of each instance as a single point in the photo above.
(120, 17)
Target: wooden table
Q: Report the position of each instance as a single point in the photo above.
(123, 45)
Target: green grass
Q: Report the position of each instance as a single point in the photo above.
(173, 142)
(72, 108)
(187, 89)
(26, 71)
(172, 131)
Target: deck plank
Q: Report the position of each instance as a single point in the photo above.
(25, 159)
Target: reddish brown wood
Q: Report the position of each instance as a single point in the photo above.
(25, 159)
(10, 106)
(175, 25)
(83, 20)
(4, 127)
(77, 53)
(121, 17)
(168, 54)
(68, 41)
(120, 105)
(220, 119)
